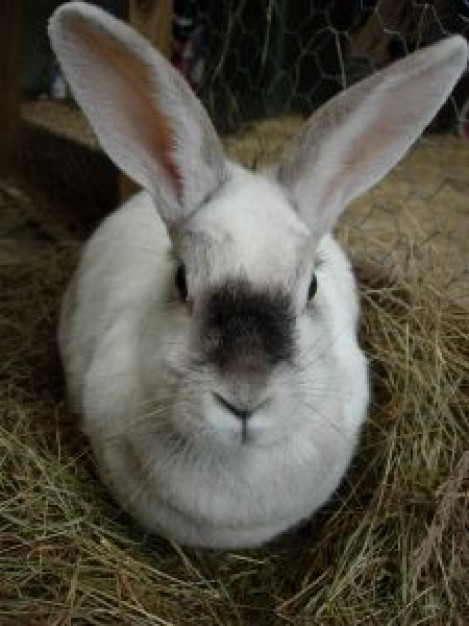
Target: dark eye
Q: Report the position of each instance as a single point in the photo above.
(313, 287)
(180, 281)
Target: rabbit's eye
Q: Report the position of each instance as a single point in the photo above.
(180, 281)
(313, 287)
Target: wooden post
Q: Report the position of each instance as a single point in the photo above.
(153, 19)
(10, 83)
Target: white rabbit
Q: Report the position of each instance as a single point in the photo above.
(209, 334)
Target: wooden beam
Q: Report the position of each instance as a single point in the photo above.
(10, 83)
(153, 19)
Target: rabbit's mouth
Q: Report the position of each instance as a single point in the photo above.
(243, 414)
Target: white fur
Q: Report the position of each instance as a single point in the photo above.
(123, 352)
(172, 455)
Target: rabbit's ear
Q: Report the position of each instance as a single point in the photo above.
(351, 142)
(143, 112)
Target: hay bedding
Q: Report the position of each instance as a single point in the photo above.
(392, 546)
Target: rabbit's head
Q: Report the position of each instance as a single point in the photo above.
(252, 338)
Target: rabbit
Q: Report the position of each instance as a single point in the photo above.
(209, 335)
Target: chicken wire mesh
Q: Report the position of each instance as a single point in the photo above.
(260, 69)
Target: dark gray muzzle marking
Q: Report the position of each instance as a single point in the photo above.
(248, 329)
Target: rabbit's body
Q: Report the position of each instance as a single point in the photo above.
(209, 335)
(119, 340)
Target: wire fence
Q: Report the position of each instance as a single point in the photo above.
(255, 60)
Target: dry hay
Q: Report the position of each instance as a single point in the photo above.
(390, 548)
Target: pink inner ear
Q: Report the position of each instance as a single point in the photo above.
(132, 85)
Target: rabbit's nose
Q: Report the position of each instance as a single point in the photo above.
(242, 414)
